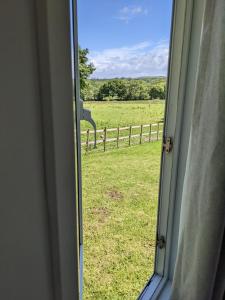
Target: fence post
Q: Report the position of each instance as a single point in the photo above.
(118, 136)
(150, 132)
(87, 141)
(104, 139)
(141, 134)
(130, 134)
(158, 132)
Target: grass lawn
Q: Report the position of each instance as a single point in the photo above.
(120, 190)
(123, 113)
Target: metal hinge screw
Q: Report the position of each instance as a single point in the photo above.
(167, 144)
(161, 242)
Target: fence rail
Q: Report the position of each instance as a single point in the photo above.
(136, 133)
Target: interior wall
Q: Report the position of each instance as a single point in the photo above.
(25, 264)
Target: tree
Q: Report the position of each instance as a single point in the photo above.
(137, 90)
(113, 89)
(157, 92)
(123, 89)
(86, 69)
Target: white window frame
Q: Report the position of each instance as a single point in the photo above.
(184, 54)
(53, 46)
(53, 34)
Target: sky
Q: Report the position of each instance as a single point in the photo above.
(126, 38)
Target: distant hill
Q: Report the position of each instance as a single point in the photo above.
(151, 79)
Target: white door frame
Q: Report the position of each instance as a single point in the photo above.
(59, 147)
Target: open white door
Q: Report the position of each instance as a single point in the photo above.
(77, 117)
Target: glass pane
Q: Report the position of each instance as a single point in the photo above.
(124, 49)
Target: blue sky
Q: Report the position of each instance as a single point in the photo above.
(126, 38)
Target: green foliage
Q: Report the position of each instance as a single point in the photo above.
(86, 69)
(157, 92)
(115, 89)
(126, 89)
(137, 90)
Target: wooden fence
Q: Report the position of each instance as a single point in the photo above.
(122, 136)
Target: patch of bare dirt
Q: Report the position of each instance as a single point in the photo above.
(101, 212)
(115, 195)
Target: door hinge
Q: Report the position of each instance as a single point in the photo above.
(161, 242)
(167, 144)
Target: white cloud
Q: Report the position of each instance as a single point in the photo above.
(138, 60)
(129, 12)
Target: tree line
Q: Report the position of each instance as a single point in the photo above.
(124, 89)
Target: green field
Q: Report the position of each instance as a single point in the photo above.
(122, 113)
(120, 190)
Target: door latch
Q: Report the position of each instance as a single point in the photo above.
(85, 114)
